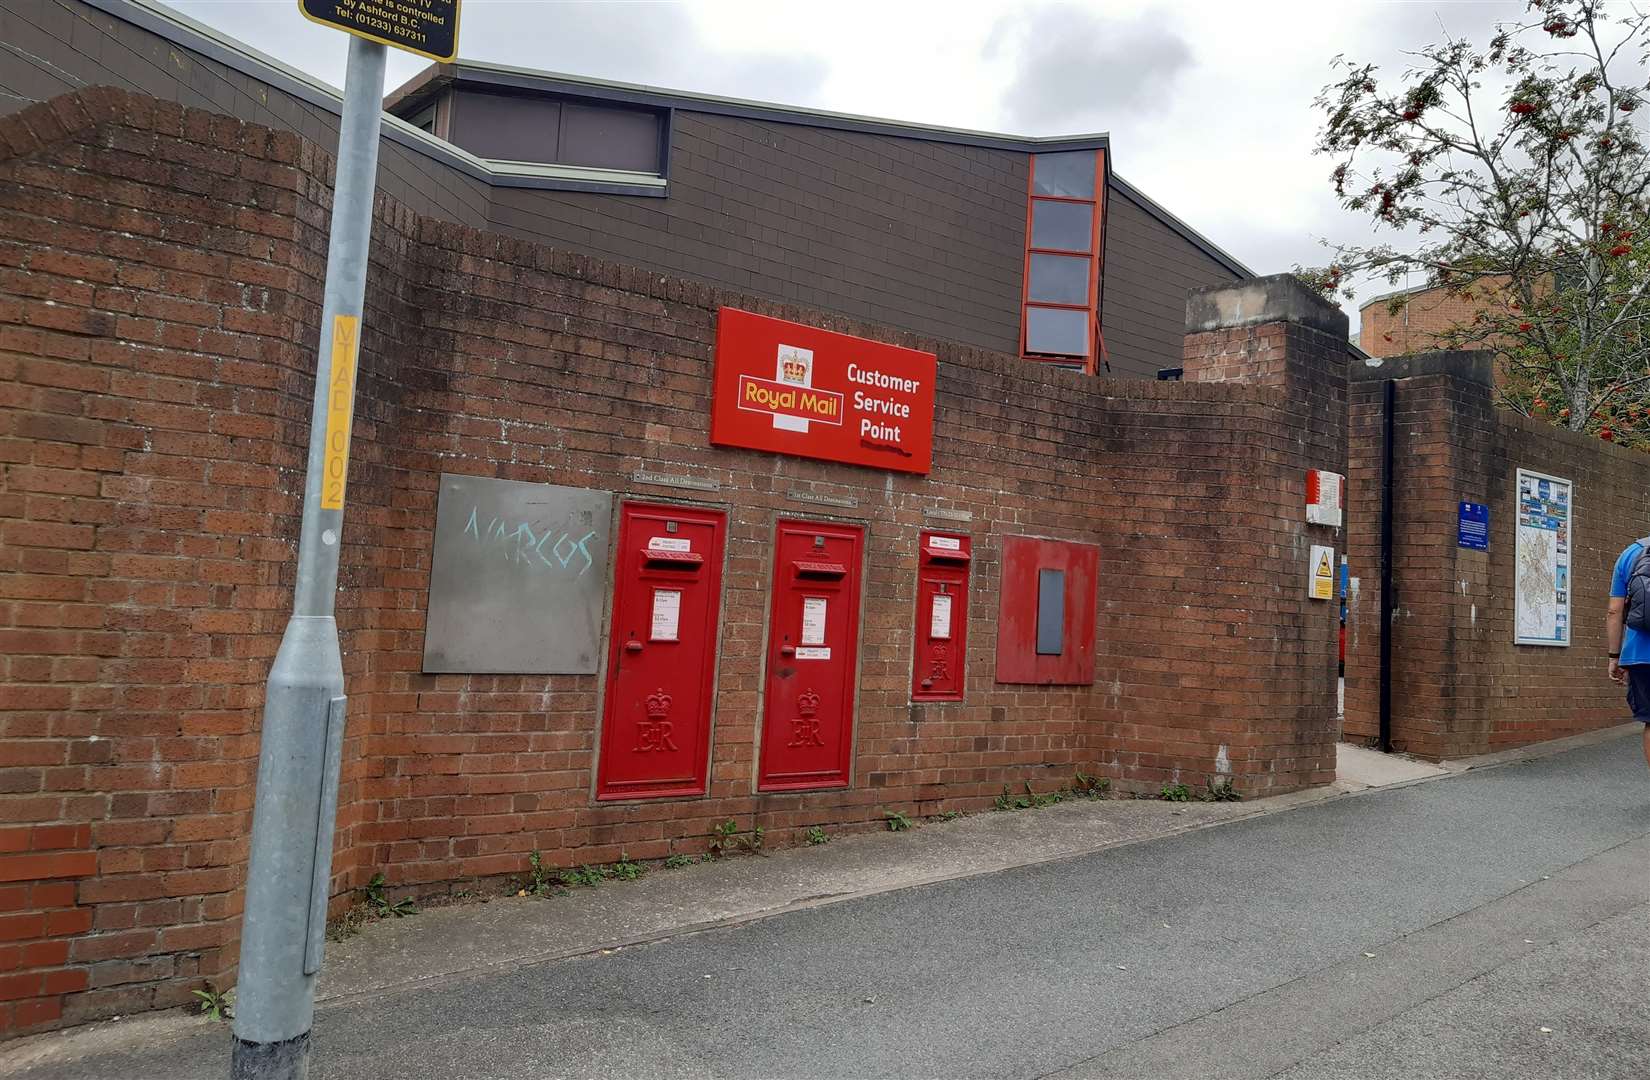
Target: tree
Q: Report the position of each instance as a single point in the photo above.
(1516, 175)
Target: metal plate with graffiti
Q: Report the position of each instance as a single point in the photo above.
(517, 579)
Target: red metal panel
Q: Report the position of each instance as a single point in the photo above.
(1017, 659)
(793, 389)
(941, 644)
(661, 663)
(813, 642)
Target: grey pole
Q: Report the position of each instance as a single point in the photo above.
(284, 930)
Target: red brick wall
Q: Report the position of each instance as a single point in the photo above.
(156, 340)
(1414, 322)
(1460, 685)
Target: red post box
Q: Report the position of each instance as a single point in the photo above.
(941, 650)
(661, 665)
(813, 641)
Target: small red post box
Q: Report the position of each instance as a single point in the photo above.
(941, 649)
(813, 642)
(661, 665)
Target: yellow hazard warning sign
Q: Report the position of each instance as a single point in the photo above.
(1322, 583)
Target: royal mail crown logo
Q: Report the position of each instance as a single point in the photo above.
(793, 370)
(807, 703)
(658, 704)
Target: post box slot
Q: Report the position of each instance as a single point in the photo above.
(807, 568)
(676, 560)
(946, 555)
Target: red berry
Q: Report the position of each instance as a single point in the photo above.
(1621, 249)
(1522, 107)
(1607, 435)
(1564, 413)
(1525, 328)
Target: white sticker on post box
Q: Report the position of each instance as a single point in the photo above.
(670, 543)
(939, 617)
(945, 543)
(813, 620)
(667, 614)
(806, 653)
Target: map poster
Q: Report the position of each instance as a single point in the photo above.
(1543, 552)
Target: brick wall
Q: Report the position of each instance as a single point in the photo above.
(1399, 325)
(1460, 685)
(155, 349)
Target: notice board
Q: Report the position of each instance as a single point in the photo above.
(1545, 543)
(517, 578)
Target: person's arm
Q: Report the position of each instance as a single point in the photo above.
(1614, 620)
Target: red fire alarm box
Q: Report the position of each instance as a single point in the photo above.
(1045, 619)
(661, 665)
(813, 639)
(1325, 496)
(942, 617)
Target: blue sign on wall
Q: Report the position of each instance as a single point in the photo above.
(1473, 528)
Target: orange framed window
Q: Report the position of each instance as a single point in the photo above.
(1059, 321)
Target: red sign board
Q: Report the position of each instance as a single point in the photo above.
(794, 389)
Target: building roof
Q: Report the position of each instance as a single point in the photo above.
(187, 33)
(1408, 290)
(1158, 211)
(407, 98)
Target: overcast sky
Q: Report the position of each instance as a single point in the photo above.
(1208, 103)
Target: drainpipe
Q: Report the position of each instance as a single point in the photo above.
(1388, 597)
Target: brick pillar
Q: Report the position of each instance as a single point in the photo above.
(1275, 333)
(1445, 449)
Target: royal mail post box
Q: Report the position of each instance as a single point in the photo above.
(661, 664)
(813, 639)
(942, 617)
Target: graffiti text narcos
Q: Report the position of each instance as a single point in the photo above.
(519, 542)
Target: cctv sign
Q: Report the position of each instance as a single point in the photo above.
(793, 389)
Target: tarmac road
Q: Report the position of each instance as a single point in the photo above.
(1433, 930)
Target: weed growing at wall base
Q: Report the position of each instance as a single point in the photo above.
(1221, 791)
(382, 906)
(214, 1003)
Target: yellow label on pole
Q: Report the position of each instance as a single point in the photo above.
(346, 347)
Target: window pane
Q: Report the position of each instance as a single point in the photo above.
(1057, 330)
(1070, 174)
(1051, 612)
(505, 127)
(609, 138)
(1065, 226)
(1060, 279)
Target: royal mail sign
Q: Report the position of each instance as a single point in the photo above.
(794, 389)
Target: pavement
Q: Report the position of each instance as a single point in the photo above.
(1409, 921)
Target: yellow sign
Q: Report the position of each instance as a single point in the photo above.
(1322, 586)
(427, 28)
(346, 348)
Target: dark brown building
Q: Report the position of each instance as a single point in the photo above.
(1019, 245)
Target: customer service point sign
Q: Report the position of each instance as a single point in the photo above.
(793, 389)
(426, 27)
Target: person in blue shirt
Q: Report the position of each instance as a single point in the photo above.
(1629, 648)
